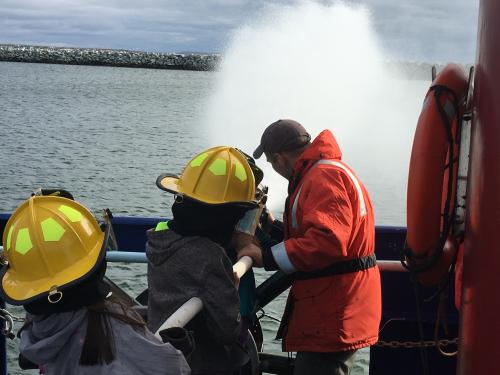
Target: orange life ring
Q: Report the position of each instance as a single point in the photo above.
(432, 177)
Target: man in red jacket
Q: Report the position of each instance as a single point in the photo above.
(334, 305)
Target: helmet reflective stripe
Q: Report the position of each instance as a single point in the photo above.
(218, 167)
(23, 241)
(52, 230)
(9, 237)
(70, 213)
(239, 172)
(362, 204)
(198, 160)
(162, 225)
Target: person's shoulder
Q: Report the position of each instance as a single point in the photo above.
(328, 176)
(161, 230)
(326, 170)
(210, 253)
(201, 243)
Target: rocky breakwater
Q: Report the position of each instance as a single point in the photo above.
(108, 57)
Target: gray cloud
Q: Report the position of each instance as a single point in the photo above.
(423, 30)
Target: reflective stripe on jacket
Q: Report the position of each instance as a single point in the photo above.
(328, 219)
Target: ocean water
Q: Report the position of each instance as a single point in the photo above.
(103, 133)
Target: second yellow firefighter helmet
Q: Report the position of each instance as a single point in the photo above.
(219, 175)
(50, 243)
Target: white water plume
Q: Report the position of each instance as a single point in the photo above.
(322, 66)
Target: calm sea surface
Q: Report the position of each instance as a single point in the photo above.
(103, 134)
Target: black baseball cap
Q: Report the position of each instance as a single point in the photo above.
(282, 135)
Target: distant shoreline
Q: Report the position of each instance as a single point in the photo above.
(108, 57)
(159, 60)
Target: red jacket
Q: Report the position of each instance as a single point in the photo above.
(328, 219)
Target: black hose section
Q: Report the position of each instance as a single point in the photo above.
(271, 288)
(407, 254)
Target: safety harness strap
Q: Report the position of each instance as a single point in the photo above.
(339, 268)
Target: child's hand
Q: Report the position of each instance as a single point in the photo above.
(240, 240)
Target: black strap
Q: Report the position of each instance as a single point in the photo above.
(339, 268)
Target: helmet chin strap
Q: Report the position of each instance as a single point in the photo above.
(53, 192)
(111, 244)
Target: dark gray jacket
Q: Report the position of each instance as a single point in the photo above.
(183, 267)
(55, 342)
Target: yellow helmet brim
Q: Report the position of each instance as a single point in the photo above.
(168, 182)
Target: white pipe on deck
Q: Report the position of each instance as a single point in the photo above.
(390, 266)
(126, 256)
(182, 315)
(242, 266)
(189, 309)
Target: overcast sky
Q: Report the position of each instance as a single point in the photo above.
(421, 30)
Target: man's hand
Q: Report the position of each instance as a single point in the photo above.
(267, 220)
(270, 218)
(253, 251)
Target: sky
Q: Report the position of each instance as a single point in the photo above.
(410, 30)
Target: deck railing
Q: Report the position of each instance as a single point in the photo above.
(137, 257)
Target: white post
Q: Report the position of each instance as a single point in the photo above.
(242, 266)
(193, 306)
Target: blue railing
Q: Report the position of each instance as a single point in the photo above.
(3, 350)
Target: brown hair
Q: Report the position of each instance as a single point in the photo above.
(99, 345)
